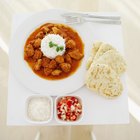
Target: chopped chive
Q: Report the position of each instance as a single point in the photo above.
(61, 48)
(57, 49)
(51, 44)
(55, 45)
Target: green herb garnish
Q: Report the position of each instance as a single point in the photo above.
(51, 44)
(58, 48)
(61, 48)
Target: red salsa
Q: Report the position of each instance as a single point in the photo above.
(69, 108)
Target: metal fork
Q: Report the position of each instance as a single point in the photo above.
(80, 20)
(88, 15)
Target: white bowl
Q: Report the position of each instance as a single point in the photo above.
(68, 122)
(26, 107)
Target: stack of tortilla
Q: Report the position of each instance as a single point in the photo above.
(104, 68)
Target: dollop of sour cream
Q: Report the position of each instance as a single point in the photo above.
(53, 45)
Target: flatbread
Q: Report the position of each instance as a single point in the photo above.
(103, 49)
(96, 47)
(94, 50)
(113, 59)
(99, 48)
(104, 80)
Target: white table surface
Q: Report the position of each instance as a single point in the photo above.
(97, 109)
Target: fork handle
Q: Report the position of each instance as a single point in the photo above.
(93, 16)
(102, 17)
(104, 21)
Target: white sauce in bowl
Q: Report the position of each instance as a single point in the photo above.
(57, 42)
(39, 109)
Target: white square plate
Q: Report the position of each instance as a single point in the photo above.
(97, 109)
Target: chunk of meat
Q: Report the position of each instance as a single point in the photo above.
(45, 29)
(52, 64)
(56, 72)
(68, 58)
(63, 34)
(70, 44)
(51, 32)
(37, 54)
(60, 26)
(75, 54)
(47, 71)
(45, 61)
(32, 41)
(37, 65)
(29, 50)
(50, 25)
(40, 35)
(55, 30)
(37, 43)
(66, 67)
(59, 59)
(67, 39)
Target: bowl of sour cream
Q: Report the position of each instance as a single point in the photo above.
(39, 109)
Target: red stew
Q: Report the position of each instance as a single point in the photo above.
(60, 67)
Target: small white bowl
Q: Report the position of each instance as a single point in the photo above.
(26, 108)
(68, 122)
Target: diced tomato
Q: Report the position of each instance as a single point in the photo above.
(59, 116)
(73, 118)
(76, 101)
(67, 103)
(68, 114)
(59, 104)
(73, 98)
(68, 117)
